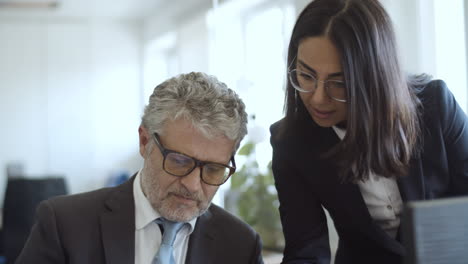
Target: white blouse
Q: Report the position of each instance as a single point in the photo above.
(382, 198)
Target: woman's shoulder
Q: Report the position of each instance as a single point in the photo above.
(440, 109)
(433, 89)
(278, 133)
(436, 95)
(299, 135)
(288, 130)
(277, 127)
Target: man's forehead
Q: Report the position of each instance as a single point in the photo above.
(180, 135)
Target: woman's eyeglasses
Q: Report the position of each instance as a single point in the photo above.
(307, 83)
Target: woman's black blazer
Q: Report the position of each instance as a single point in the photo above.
(305, 183)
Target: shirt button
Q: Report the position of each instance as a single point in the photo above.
(389, 207)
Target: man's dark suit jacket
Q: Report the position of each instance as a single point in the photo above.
(99, 227)
(305, 183)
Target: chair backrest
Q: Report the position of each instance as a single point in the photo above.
(21, 199)
(436, 231)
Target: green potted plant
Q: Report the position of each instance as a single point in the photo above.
(252, 196)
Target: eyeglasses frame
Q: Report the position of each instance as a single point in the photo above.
(317, 81)
(198, 163)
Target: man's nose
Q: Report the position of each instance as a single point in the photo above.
(193, 180)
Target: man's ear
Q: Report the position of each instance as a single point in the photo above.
(144, 139)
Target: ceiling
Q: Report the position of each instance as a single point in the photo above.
(100, 9)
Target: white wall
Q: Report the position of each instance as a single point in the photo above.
(23, 109)
(431, 37)
(450, 43)
(191, 45)
(414, 28)
(70, 99)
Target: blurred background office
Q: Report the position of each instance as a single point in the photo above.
(76, 74)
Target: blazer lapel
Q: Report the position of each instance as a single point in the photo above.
(118, 226)
(348, 197)
(412, 186)
(202, 247)
(345, 197)
(356, 206)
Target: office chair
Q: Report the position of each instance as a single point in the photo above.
(21, 199)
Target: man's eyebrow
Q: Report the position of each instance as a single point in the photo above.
(303, 64)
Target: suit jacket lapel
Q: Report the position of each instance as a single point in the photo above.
(348, 197)
(352, 201)
(412, 186)
(202, 247)
(118, 226)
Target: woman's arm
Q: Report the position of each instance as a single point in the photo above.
(302, 217)
(454, 125)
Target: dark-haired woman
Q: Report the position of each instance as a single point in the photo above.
(359, 138)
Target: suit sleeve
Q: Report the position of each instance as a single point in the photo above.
(455, 130)
(43, 245)
(302, 217)
(257, 255)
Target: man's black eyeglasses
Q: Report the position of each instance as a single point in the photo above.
(180, 165)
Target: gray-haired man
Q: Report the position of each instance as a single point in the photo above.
(189, 133)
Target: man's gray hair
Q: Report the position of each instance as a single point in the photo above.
(209, 104)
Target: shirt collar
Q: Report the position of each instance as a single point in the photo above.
(340, 132)
(144, 212)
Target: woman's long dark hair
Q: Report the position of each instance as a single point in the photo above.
(383, 123)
